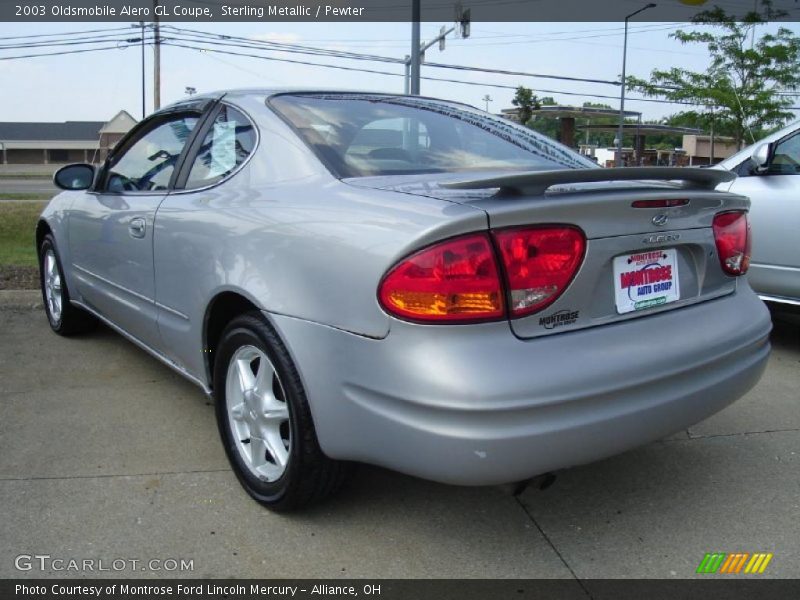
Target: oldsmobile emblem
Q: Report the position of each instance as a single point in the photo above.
(660, 220)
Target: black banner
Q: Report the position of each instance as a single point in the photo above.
(443, 11)
(731, 588)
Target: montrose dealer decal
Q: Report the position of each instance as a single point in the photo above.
(646, 279)
(559, 319)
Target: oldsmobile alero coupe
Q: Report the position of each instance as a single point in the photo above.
(408, 282)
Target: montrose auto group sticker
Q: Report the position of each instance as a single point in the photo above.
(646, 279)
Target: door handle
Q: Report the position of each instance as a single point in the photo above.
(137, 227)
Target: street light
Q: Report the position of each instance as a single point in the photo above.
(618, 161)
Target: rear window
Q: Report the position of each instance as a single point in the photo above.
(359, 135)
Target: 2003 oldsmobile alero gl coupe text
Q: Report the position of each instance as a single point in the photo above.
(407, 282)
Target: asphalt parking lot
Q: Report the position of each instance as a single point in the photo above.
(105, 453)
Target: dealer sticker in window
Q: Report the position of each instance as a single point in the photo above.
(646, 279)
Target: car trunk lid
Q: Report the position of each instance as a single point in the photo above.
(631, 225)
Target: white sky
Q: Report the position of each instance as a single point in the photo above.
(94, 86)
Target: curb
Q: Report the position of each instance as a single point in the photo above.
(20, 299)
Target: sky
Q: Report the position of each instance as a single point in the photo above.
(95, 86)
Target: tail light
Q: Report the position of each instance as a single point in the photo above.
(455, 280)
(458, 280)
(540, 263)
(732, 236)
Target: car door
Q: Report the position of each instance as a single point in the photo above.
(775, 220)
(190, 238)
(111, 226)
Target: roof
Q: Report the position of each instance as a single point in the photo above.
(584, 112)
(643, 129)
(30, 131)
(122, 122)
(581, 111)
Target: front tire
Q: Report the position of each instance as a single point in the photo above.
(265, 422)
(64, 318)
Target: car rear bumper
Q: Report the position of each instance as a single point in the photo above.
(475, 405)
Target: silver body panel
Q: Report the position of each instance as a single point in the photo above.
(775, 217)
(471, 404)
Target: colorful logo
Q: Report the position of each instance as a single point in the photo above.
(734, 563)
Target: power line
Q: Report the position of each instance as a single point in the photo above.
(53, 44)
(225, 41)
(63, 52)
(439, 79)
(73, 33)
(294, 48)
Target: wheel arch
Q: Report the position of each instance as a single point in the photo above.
(42, 229)
(223, 307)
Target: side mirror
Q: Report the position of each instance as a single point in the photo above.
(760, 157)
(74, 177)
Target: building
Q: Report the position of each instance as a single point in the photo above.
(55, 143)
(700, 152)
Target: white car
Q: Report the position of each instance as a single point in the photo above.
(769, 174)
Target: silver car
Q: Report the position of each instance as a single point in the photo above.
(769, 174)
(407, 282)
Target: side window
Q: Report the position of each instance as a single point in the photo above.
(148, 164)
(228, 143)
(786, 159)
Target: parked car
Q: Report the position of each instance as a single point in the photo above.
(769, 174)
(407, 282)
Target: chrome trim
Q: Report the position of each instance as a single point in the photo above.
(152, 352)
(780, 299)
(112, 284)
(175, 192)
(173, 311)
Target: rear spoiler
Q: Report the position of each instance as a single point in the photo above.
(536, 182)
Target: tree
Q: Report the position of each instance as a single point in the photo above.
(747, 78)
(526, 102)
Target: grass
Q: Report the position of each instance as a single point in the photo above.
(24, 196)
(17, 225)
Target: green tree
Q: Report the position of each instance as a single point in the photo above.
(526, 101)
(544, 124)
(746, 79)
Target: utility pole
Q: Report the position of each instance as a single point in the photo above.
(618, 158)
(711, 157)
(415, 49)
(144, 109)
(156, 59)
(407, 78)
(487, 98)
(414, 62)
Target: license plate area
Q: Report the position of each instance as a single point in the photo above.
(646, 279)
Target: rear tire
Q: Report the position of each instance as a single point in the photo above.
(265, 422)
(64, 318)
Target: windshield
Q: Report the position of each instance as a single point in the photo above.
(359, 135)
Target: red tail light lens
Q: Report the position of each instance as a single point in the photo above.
(455, 280)
(732, 236)
(540, 263)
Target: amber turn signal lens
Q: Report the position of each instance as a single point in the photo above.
(454, 280)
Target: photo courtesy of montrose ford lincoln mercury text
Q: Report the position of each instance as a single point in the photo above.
(406, 282)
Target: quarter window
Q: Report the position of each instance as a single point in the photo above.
(228, 143)
(149, 163)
